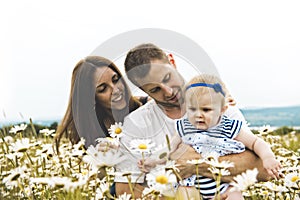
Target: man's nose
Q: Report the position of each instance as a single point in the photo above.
(168, 90)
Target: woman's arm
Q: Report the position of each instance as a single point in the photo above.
(242, 162)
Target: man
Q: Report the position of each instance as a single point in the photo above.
(150, 69)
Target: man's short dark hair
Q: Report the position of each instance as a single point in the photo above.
(138, 60)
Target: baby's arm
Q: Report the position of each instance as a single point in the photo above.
(262, 149)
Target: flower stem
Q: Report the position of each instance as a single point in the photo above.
(198, 183)
(143, 161)
(130, 186)
(32, 127)
(31, 163)
(218, 182)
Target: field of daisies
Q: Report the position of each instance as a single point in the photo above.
(32, 169)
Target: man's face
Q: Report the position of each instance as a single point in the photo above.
(163, 83)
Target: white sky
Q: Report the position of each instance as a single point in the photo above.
(255, 45)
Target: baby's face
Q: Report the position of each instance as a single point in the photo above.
(204, 109)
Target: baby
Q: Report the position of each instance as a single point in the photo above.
(208, 130)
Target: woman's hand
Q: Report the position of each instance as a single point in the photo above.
(230, 100)
(105, 144)
(149, 163)
(146, 165)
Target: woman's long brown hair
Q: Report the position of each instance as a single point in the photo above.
(85, 117)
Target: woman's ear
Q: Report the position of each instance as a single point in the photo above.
(171, 59)
(230, 100)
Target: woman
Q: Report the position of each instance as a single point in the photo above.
(99, 97)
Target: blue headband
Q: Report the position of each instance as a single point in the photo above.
(217, 87)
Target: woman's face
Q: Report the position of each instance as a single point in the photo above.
(110, 90)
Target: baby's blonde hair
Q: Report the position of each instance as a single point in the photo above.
(206, 79)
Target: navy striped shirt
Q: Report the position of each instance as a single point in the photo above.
(219, 139)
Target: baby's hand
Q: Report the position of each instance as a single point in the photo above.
(272, 166)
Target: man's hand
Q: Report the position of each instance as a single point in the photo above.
(243, 161)
(182, 154)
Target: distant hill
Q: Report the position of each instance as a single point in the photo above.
(273, 116)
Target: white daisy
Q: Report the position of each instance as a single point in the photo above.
(245, 180)
(102, 190)
(59, 181)
(218, 171)
(146, 192)
(18, 128)
(14, 175)
(100, 159)
(99, 194)
(142, 145)
(116, 130)
(160, 180)
(14, 156)
(46, 149)
(292, 180)
(275, 188)
(80, 144)
(39, 180)
(124, 196)
(47, 132)
(210, 156)
(8, 139)
(12, 184)
(21, 145)
(160, 152)
(265, 130)
(196, 161)
(171, 165)
(109, 140)
(220, 165)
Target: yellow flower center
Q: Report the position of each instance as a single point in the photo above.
(294, 179)
(162, 179)
(118, 130)
(142, 146)
(84, 172)
(265, 192)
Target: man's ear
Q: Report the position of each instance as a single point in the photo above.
(171, 59)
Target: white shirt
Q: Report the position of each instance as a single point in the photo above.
(150, 122)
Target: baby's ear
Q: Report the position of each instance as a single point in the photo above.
(171, 59)
(224, 108)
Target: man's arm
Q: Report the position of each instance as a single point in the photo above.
(242, 162)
